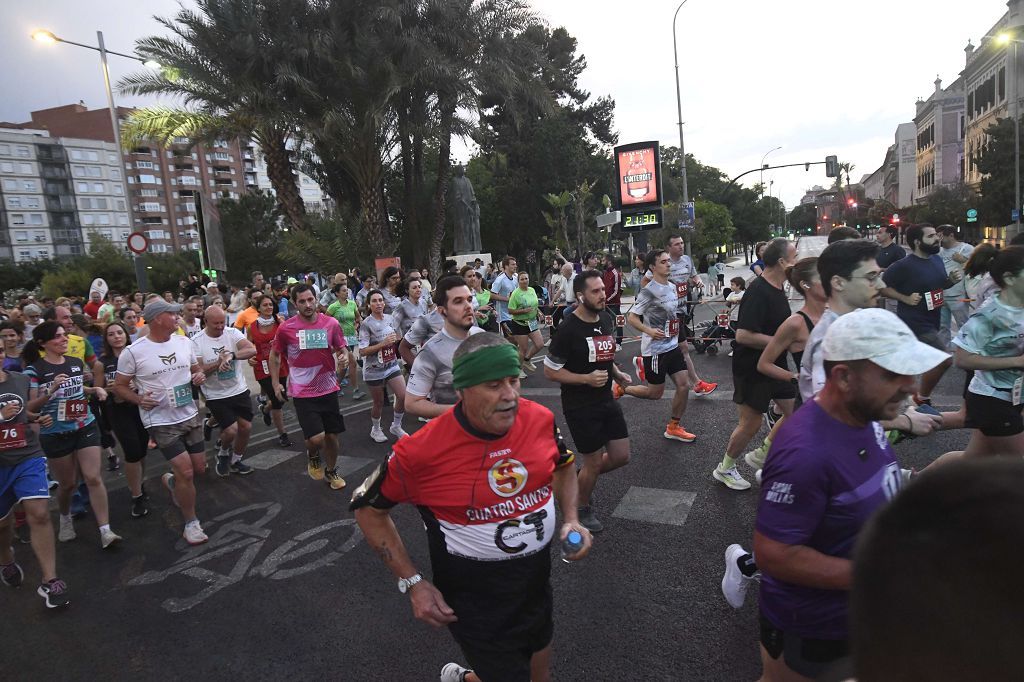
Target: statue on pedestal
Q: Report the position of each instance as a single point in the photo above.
(465, 213)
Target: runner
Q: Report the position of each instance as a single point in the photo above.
(489, 522)
(310, 342)
(249, 315)
(124, 416)
(430, 393)
(57, 388)
(582, 360)
(481, 299)
(917, 282)
(261, 334)
(191, 325)
(421, 331)
(413, 306)
(377, 342)
(220, 351)
(762, 312)
(524, 327)
(12, 334)
(613, 286)
(346, 312)
(815, 500)
(164, 368)
(954, 254)
(662, 357)
(502, 287)
(391, 279)
(23, 482)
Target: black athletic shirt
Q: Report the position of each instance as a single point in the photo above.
(581, 348)
(763, 310)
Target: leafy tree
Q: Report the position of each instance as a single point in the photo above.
(252, 235)
(329, 242)
(25, 275)
(73, 276)
(556, 218)
(996, 162)
(943, 205)
(803, 217)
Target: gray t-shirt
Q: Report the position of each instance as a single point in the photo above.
(18, 440)
(383, 363)
(432, 371)
(408, 312)
(811, 377)
(424, 328)
(658, 304)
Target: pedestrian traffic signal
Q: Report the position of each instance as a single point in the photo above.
(831, 167)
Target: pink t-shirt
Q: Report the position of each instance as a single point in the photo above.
(310, 351)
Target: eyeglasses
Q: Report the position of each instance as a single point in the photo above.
(870, 277)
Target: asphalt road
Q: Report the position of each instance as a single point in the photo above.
(287, 588)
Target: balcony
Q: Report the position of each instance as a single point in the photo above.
(58, 188)
(224, 182)
(55, 172)
(223, 170)
(60, 203)
(73, 236)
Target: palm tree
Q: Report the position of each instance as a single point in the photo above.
(223, 62)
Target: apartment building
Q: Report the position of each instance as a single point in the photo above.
(255, 173)
(940, 124)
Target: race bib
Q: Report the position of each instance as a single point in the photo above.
(547, 320)
(672, 327)
(68, 410)
(12, 436)
(1017, 393)
(180, 396)
(682, 289)
(533, 325)
(312, 339)
(600, 348)
(933, 299)
(620, 320)
(266, 366)
(386, 354)
(228, 374)
(723, 319)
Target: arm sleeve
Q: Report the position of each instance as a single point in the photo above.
(337, 338)
(558, 351)
(421, 378)
(399, 484)
(417, 332)
(974, 333)
(893, 276)
(364, 336)
(794, 495)
(643, 301)
(126, 363)
(752, 311)
(33, 378)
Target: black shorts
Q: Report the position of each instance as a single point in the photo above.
(268, 390)
(57, 445)
(128, 428)
(103, 421)
(592, 426)
(993, 416)
(319, 415)
(721, 278)
(757, 393)
(525, 630)
(658, 367)
(229, 410)
(513, 328)
(381, 382)
(804, 656)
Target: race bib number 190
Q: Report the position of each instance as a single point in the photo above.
(69, 410)
(600, 348)
(311, 339)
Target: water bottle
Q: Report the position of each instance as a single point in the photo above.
(572, 543)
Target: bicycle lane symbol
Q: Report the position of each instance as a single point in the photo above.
(238, 535)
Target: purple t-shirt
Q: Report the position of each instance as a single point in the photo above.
(821, 482)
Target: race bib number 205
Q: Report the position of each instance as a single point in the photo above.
(600, 348)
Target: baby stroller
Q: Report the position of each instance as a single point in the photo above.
(710, 334)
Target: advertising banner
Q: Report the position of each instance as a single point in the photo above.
(637, 167)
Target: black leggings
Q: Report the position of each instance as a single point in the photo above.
(268, 390)
(127, 425)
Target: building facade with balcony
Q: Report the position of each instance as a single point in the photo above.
(939, 123)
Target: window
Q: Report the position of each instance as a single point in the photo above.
(103, 219)
(88, 219)
(39, 235)
(118, 189)
(144, 164)
(5, 149)
(95, 172)
(187, 180)
(120, 204)
(22, 151)
(115, 174)
(101, 203)
(123, 220)
(76, 154)
(82, 186)
(17, 219)
(98, 187)
(124, 235)
(29, 185)
(112, 158)
(25, 168)
(10, 185)
(35, 219)
(31, 202)
(151, 207)
(42, 253)
(78, 171)
(14, 202)
(221, 156)
(21, 235)
(148, 178)
(92, 156)
(149, 192)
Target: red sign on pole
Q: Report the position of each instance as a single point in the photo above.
(138, 243)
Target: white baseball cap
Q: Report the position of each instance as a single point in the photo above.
(878, 335)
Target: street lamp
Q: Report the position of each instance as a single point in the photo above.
(679, 111)
(761, 181)
(1007, 39)
(48, 38)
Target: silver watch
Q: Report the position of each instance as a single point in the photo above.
(404, 584)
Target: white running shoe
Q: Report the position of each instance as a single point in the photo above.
(453, 672)
(67, 529)
(378, 435)
(108, 538)
(194, 534)
(734, 583)
(522, 374)
(755, 458)
(757, 476)
(397, 431)
(731, 478)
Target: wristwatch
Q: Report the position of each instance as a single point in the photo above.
(405, 584)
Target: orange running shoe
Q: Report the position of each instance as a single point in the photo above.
(704, 388)
(617, 390)
(677, 432)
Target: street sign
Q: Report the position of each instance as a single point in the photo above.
(972, 215)
(686, 216)
(1015, 215)
(138, 242)
(610, 218)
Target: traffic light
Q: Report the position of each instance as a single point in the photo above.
(831, 167)
(895, 219)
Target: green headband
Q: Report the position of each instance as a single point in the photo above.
(485, 364)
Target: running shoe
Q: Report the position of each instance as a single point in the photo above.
(108, 538)
(54, 593)
(344, 381)
(112, 463)
(315, 468)
(771, 416)
(378, 435)
(66, 533)
(194, 534)
(223, 467)
(638, 364)
(79, 504)
(730, 477)
(284, 441)
(617, 390)
(397, 431)
(531, 366)
(336, 481)
(358, 394)
(588, 520)
(50, 483)
(11, 574)
(677, 432)
(757, 476)
(168, 481)
(241, 468)
(453, 672)
(139, 507)
(755, 458)
(266, 414)
(522, 375)
(734, 583)
(704, 388)
(207, 429)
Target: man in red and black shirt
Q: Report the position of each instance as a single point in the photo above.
(489, 509)
(612, 278)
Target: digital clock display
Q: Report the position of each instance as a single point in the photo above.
(641, 220)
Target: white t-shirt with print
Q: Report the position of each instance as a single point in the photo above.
(220, 384)
(163, 370)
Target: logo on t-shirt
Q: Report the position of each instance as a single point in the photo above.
(12, 398)
(507, 477)
(169, 359)
(218, 351)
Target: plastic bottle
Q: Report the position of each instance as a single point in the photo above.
(572, 543)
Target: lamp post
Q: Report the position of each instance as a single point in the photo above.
(48, 38)
(679, 111)
(761, 180)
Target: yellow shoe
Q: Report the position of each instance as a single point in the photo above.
(336, 481)
(315, 468)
